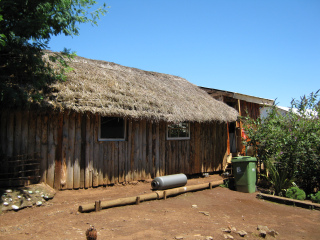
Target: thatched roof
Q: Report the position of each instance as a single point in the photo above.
(114, 90)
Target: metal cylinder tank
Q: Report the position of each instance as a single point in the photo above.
(169, 181)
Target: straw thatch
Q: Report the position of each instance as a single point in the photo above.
(114, 90)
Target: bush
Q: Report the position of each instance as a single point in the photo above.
(296, 193)
(315, 197)
(291, 140)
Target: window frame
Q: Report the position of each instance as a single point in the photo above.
(100, 139)
(178, 138)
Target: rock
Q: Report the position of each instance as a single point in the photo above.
(227, 230)
(233, 229)
(228, 236)
(209, 238)
(194, 206)
(262, 233)
(9, 191)
(15, 207)
(178, 237)
(5, 203)
(242, 233)
(39, 203)
(273, 233)
(264, 228)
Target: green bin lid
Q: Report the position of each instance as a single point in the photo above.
(244, 159)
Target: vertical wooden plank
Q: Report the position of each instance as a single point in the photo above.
(168, 157)
(70, 149)
(150, 173)
(92, 120)
(43, 127)
(162, 148)
(100, 165)
(181, 156)
(10, 135)
(136, 147)
(122, 167)
(64, 149)
(111, 162)
(87, 153)
(57, 129)
(187, 157)
(215, 145)
(197, 148)
(3, 131)
(203, 147)
(77, 152)
(143, 149)
(130, 150)
(17, 133)
(191, 149)
(38, 125)
(95, 160)
(24, 132)
(157, 149)
(211, 144)
(115, 161)
(3, 142)
(31, 144)
(53, 121)
(177, 156)
(83, 150)
(105, 164)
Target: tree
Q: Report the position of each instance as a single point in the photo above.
(26, 28)
(290, 141)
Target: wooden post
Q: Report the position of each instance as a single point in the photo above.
(97, 206)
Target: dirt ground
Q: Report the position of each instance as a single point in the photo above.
(193, 215)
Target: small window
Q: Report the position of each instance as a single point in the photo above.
(178, 131)
(112, 129)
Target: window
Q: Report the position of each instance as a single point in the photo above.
(178, 131)
(112, 129)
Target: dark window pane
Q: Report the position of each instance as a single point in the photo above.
(112, 128)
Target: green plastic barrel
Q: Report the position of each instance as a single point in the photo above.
(244, 171)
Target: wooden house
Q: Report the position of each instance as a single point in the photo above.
(109, 124)
(245, 105)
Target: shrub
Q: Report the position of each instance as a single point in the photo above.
(292, 140)
(315, 197)
(277, 177)
(296, 193)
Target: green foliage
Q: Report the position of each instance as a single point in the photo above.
(277, 177)
(315, 197)
(296, 193)
(26, 28)
(292, 140)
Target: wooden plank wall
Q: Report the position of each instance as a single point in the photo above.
(253, 109)
(72, 157)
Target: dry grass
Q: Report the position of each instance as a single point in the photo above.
(114, 90)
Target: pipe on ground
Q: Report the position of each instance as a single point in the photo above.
(148, 196)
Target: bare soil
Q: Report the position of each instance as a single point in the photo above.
(174, 218)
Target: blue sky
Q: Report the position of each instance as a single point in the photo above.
(268, 49)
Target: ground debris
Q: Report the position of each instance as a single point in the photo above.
(205, 213)
(242, 233)
(228, 236)
(22, 197)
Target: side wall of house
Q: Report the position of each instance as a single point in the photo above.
(71, 156)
